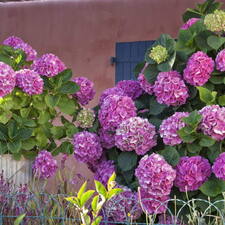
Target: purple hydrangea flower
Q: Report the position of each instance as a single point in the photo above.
(192, 172)
(153, 204)
(145, 85)
(86, 92)
(107, 138)
(220, 61)
(169, 127)
(218, 167)
(7, 79)
(114, 110)
(48, 65)
(104, 171)
(155, 175)
(136, 134)
(29, 81)
(45, 165)
(87, 147)
(131, 88)
(170, 89)
(198, 69)
(189, 23)
(13, 41)
(111, 91)
(213, 122)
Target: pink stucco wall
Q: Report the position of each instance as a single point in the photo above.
(83, 33)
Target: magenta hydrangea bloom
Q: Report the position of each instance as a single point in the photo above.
(131, 88)
(169, 220)
(86, 92)
(145, 85)
(7, 79)
(45, 165)
(13, 41)
(118, 207)
(114, 110)
(87, 147)
(218, 167)
(153, 204)
(189, 23)
(48, 65)
(107, 138)
(111, 91)
(136, 134)
(198, 69)
(170, 89)
(192, 172)
(169, 127)
(29, 81)
(220, 61)
(213, 122)
(155, 175)
(104, 171)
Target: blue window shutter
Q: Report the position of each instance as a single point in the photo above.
(128, 55)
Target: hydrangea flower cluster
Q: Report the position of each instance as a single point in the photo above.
(218, 167)
(48, 65)
(192, 172)
(86, 92)
(87, 147)
(45, 165)
(169, 127)
(29, 81)
(159, 54)
(213, 123)
(85, 118)
(7, 79)
(118, 207)
(145, 85)
(131, 88)
(107, 138)
(220, 61)
(155, 175)
(18, 43)
(104, 171)
(111, 91)
(114, 110)
(215, 21)
(170, 89)
(198, 69)
(136, 134)
(189, 23)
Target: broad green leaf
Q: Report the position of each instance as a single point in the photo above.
(73, 200)
(194, 147)
(151, 73)
(29, 123)
(82, 190)
(52, 100)
(100, 189)
(24, 112)
(111, 181)
(57, 132)
(221, 100)
(94, 203)
(71, 130)
(14, 146)
(5, 117)
(97, 220)
(3, 148)
(19, 219)
(215, 42)
(24, 133)
(65, 75)
(193, 119)
(206, 141)
(214, 151)
(67, 105)
(127, 160)
(206, 95)
(217, 79)
(114, 192)
(85, 197)
(69, 88)
(44, 117)
(187, 138)
(138, 68)
(155, 107)
(28, 144)
(12, 128)
(171, 155)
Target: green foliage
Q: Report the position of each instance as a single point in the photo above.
(171, 155)
(127, 160)
(19, 219)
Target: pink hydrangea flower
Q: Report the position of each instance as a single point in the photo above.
(86, 92)
(136, 134)
(107, 138)
(155, 175)
(87, 147)
(218, 167)
(170, 89)
(114, 110)
(167, 220)
(145, 85)
(220, 61)
(104, 171)
(153, 204)
(13, 41)
(118, 207)
(29, 81)
(48, 65)
(131, 88)
(189, 23)
(198, 69)
(192, 172)
(111, 91)
(169, 127)
(45, 165)
(213, 121)
(7, 79)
